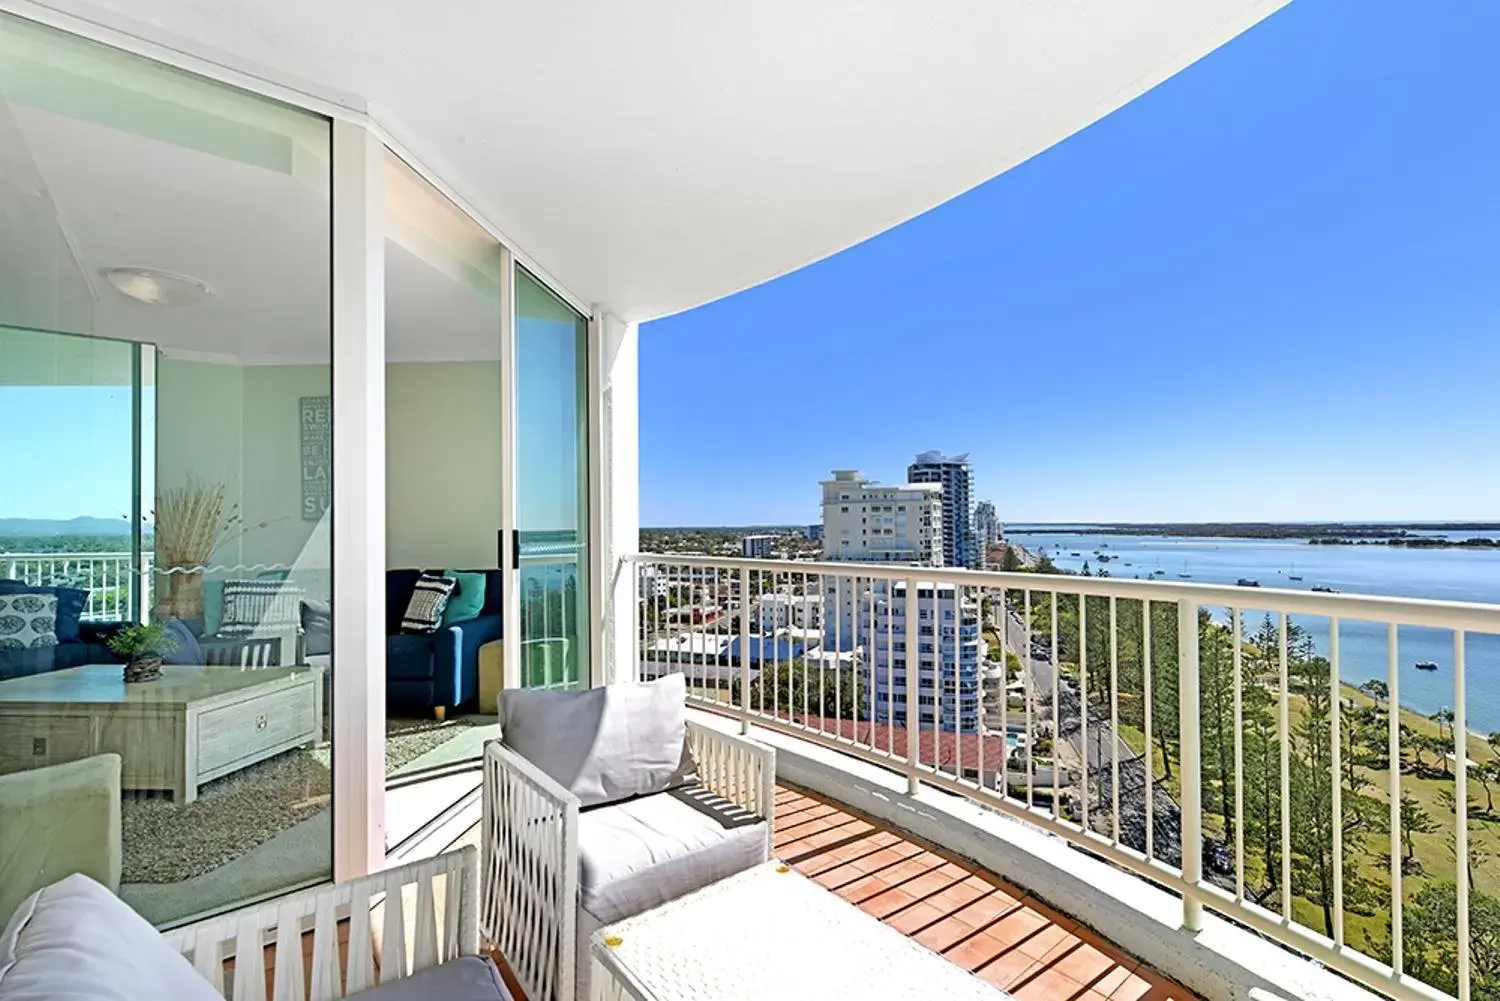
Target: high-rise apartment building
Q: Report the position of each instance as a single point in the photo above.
(873, 522)
(986, 526)
(960, 547)
(880, 523)
(947, 658)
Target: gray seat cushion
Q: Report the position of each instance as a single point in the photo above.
(467, 978)
(641, 853)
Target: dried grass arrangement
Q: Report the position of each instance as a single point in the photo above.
(192, 522)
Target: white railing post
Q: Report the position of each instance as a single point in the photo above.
(1460, 728)
(1191, 769)
(913, 707)
(744, 650)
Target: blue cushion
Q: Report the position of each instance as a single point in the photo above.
(213, 606)
(492, 579)
(467, 599)
(70, 605)
(187, 650)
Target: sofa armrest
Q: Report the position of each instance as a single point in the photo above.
(455, 658)
(739, 769)
(528, 883)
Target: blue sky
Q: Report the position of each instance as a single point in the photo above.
(1267, 289)
(82, 429)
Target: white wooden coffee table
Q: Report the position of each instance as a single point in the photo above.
(769, 933)
(190, 726)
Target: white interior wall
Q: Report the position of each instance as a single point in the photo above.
(239, 425)
(442, 464)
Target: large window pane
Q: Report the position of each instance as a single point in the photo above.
(443, 472)
(552, 486)
(165, 345)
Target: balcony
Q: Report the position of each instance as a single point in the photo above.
(1148, 716)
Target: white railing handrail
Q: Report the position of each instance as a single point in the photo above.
(118, 581)
(1438, 613)
(123, 554)
(889, 711)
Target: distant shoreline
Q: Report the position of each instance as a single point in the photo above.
(1316, 533)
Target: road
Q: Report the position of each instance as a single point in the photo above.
(1103, 744)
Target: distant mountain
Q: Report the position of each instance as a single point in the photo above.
(70, 526)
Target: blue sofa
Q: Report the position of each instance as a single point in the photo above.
(426, 675)
(78, 642)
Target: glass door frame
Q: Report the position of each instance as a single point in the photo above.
(592, 480)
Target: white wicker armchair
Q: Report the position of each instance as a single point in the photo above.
(428, 917)
(530, 905)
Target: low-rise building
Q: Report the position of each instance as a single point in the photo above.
(757, 547)
(879, 523)
(783, 609)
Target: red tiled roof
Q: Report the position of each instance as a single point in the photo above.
(952, 748)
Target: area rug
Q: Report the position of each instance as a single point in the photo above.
(163, 841)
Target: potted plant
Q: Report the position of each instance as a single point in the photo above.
(142, 647)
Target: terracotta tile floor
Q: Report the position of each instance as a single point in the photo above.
(953, 907)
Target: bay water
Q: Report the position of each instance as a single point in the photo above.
(1446, 574)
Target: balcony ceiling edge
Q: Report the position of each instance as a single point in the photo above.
(655, 156)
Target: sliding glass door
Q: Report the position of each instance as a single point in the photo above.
(166, 487)
(551, 550)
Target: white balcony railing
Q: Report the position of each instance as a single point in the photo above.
(108, 578)
(1135, 717)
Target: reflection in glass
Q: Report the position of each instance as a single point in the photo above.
(165, 344)
(443, 473)
(552, 483)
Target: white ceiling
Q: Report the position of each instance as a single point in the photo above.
(654, 155)
(258, 238)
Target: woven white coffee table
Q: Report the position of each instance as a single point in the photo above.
(769, 933)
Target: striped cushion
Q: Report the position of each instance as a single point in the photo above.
(260, 606)
(424, 613)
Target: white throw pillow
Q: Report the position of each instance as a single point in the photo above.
(28, 621)
(602, 744)
(75, 939)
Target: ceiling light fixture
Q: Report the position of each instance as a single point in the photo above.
(158, 288)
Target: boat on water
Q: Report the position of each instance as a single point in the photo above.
(1075, 554)
(1293, 577)
(1324, 590)
(1247, 582)
(1426, 665)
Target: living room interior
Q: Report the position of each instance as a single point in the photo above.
(174, 343)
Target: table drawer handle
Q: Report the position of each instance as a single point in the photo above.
(260, 722)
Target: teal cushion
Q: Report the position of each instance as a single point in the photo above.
(213, 606)
(467, 600)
